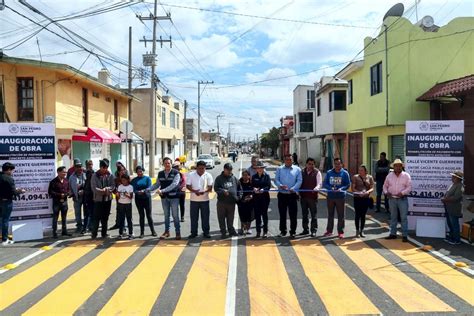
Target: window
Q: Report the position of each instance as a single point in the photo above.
(25, 99)
(376, 79)
(170, 149)
(163, 116)
(349, 92)
(177, 121)
(310, 99)
(337, 101)
(172, 119)
(116, 118)
(319, 107)
(95, 94)
(306, 122)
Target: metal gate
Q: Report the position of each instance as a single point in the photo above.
(397, 147)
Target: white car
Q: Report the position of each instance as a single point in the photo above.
(217, 158)
(208, 159)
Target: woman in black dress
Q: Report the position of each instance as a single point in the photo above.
(246, 201)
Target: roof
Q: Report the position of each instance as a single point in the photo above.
(63, 67)
(455, 87)
(350, 68)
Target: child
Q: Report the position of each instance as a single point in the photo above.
(124, 205)
(246, 203)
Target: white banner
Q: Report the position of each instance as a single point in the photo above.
(31, 148)
(434, 149)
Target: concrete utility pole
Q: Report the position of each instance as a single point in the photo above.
(185, 138)
(218, 134)
(130, 112)
(205, 83)
(154, 82)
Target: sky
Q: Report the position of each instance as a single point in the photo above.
(255, 52)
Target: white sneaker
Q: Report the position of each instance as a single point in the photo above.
(249, 231)
(7, 242)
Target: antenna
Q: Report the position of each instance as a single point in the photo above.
(396, 10)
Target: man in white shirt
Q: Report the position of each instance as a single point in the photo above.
(200, 184)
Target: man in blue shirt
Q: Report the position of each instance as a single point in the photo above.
(288, 180)
(336, 182)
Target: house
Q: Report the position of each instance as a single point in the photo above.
(169, 121)
(398, 66)
(209, 142)
(191, 138)
(286, 133)
(86, 111)
(305, 142)
(331, 94)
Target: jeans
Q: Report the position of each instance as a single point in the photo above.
(144, 208)
(59, 207)
(340, 206)
(379, 188)
(225, 215)
(288, 202)
(453, 224)
(125, 211)
(309, 205)
(6, 208)
(171, 206)
(101, 214)
(195, 207)
(261, 213)
(398, 205)
(78, 205)
(361, 204)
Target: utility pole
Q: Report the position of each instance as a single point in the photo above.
(130, 112)
(218, 134)
(205, 83)
(185, 136)
(150, 60)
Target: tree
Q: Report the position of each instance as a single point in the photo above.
(271, 139)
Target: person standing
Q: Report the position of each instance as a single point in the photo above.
(261, 183)
(103, 185)
(397, 187)
(124, 208)
(72, 169)
(312, 181)
(58, 190)
(182, 188)
(199, 182)
(140, 184)
(362, 187)
(245, 205)
(288, 180)
(8, 191)
(77, 182)
(382, 168)
(452, 201)
(119, 172)
(337, 181)
(252, 169)
(167, 186)
(295, 159)
(227, 188)
(88, 198)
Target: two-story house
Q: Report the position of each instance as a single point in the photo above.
(87, 112)
(331, 94)
(305, 142)
(191, 129)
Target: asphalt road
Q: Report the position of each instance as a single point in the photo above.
(238, 276)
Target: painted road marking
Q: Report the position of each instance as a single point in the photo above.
(329, 280)
(270, 289)
(21, 284)
(205, 289)
(68, 297)
(447, 276)
(410, 295)
(143, 285)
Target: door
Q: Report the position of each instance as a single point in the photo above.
(373, 153)
(397, 147)
(355, 152)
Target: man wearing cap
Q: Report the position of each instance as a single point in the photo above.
(72, 169)
(58, 190)
(452, 201)
(77, 183)
(199, 182)
(288, 180)
(167, 183)
(103, 184)
(227, 188)
(397, 187)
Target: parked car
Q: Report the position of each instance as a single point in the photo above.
(217, 158)
(208, 159)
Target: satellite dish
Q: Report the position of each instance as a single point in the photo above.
(396, 10)
(427, 21)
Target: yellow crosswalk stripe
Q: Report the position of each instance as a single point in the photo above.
(455, 281)
(68, 297)
(21, 284)
(270, 289)
(329, 280)
(204, 292)
(410, 295)
(143, 285)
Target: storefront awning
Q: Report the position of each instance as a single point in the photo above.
(134, 139)
(97, 135)
(452, 88)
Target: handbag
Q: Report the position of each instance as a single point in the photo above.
(370, 200)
